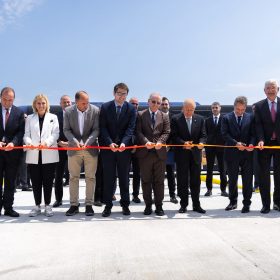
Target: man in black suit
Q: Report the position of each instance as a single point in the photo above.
(267, 119)
(214, 137)
(188, 128)
(117, 124)
(11, 135)
(170, 164)
(65, 101)
(238, 130)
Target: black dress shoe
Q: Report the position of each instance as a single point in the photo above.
(89, 210)
(231, 207)
(245, 209)
(136, 199)
(11, 213)
(208, 193)
(57, 204)
(199, 210)
(73, 210)
(125, 211)
(265, 210)
(276, 207)
(97, 203)
(173, 199)
(26, 189)
(159, 211)
(224, 193)
(148, 210)
(106, 212)
(182, 210)
(66, 183)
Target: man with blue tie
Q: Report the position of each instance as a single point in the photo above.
(238, 130)
(267, 119)
(117, 124)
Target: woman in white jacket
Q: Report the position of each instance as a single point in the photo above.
(41, 129)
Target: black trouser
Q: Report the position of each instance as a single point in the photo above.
(21, 179)
(136, 175)
(99, 180)
(265, 157)
(59, 171)
(42, 176)
(170, 173)
(188, 175)
(211, 154)
(243, 161)
(8, 170)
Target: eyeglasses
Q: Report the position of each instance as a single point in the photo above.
(155, 102)
(164, 104)
(121, 93)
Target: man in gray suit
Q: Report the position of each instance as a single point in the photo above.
(81, 128)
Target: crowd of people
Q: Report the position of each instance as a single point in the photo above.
(238, 141)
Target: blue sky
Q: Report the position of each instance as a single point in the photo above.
(210, 50)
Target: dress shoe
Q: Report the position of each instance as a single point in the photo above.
(199, 210)
(182, 210)
(245, 209)
(89, 210)
(224, 193)
(208, 193)
(159, 211)
(148, 210)
(265, 210)
(97, 203)
(73, 210)
(11, 213)
(231, 207)
(65, 184)
(276, 207)
(26, 189)
(173, 199)
(136, 199)
(125, 211)
(57, 204)
(106, 212)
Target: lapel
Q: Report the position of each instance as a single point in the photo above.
(184, 124)
(123, 111)
(10, 119)
(76, 119)
(1, 118)
(267, 111)
(278, 111)
(87, 120)
(244, 120)
(147, 118)
(113, 112)
(158, 118)
(234, 121)
(45, 126)
(194, 124)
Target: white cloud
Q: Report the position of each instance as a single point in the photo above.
(12, 10)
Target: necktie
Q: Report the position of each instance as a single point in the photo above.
(153, 119)
(215, 121)
(273, 117)
(7, 116)
(118, 111)
(239, 120)
(189, 125)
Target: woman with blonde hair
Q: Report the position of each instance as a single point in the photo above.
(41, 130)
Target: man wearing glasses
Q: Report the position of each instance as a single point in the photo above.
(153, 129)
(117, 124)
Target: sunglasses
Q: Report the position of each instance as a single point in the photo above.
(155, 102)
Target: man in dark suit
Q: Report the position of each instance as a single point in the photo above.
(238, 130)
(188, 128)
(267, 119)
(214, 137)
(11, 135)
(153, 129)
(117, 124)
(65, 101)
(170, 164)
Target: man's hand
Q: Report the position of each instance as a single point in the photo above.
(158, 146)
(114, 147)
(240, 146)
(9, 147)
(188, 145)
(250, 148)
(122, 147)
(200, 146)
(150, 145)
(62, 144)
(261, 144)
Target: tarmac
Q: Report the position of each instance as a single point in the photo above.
(217, 245)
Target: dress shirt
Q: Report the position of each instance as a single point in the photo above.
(81, 121)
(270, 104)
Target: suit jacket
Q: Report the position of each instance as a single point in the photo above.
(180, 134)
(60, 118)
(213, 132)
(14, 130)
(113, 130)
(232, 134)
(91, 128)
(49, 135)
(263, 123)
(146, 133)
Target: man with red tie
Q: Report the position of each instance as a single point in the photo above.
(11, 135)
(267, 119)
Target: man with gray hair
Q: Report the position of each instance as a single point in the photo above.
(267, 119)
(238, 130)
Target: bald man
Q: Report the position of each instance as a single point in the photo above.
(187, 128)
